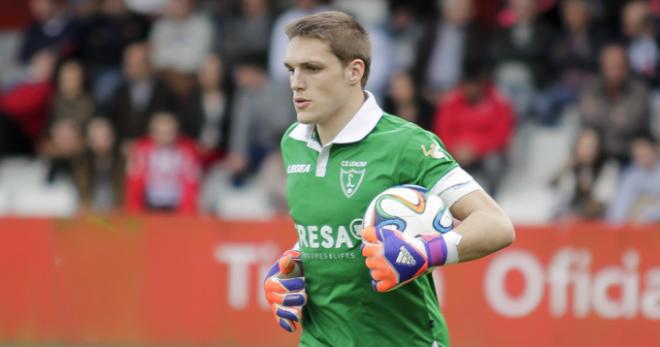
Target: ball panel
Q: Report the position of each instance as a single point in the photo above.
(410, 209)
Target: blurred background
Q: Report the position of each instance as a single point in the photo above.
(123, 120)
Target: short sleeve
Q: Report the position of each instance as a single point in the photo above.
(426, 162)
(424, 159)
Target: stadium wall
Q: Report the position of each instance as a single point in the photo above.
(157, 280)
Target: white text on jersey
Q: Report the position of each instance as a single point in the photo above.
(298, 168)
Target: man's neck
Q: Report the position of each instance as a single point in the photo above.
(327, 131)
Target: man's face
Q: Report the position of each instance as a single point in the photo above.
(136, 62)
(614, 65)
(163, 129)
(319, 81)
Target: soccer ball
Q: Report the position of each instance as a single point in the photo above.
(410, 209)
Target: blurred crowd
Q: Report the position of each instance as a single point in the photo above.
(165, 105)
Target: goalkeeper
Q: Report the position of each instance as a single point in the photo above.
(344, 285)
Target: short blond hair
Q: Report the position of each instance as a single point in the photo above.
(347, 39)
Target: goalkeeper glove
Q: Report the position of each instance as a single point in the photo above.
(284, 288)
(395, 258)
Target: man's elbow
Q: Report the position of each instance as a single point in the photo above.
(507, 232)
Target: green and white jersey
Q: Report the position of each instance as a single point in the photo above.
(328, 189)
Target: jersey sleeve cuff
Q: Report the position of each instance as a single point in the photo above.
(454, 185)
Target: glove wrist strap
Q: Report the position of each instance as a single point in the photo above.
(442, 249)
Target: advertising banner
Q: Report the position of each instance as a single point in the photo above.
(158, 280)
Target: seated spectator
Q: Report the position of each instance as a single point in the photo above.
(574, 55)
(163, 170)
(404, 101)
(179, 42)
(72, 100)
(206, 117)
(262, 112)
(99, 172)
(637, 199)
(616, 105)
(248, 31)
(278, 39)
(103, 37)
(24, 108)
(139, 94)
(587, 183)
(476, 122)
(53, 29)
(72, 107)
(521, 55)
(404, 31)
(62, 147)
(444, 47)
(642, 43)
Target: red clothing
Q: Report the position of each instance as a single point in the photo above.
(485, 126)
(28, 104)
(155, 172)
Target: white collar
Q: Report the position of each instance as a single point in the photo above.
(362, 123)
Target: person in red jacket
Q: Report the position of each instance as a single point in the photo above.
(475, 122)
(163, 172)
(24, 108)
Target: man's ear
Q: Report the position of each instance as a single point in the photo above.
(355, 71)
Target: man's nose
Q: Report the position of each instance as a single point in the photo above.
(296, 81)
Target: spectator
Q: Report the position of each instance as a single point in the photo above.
(638, 195)
(72, 107)
(405, 101)
(616, 105)
(24, 108)
(574, 56)
(643, 51)
(445, 46)
(84, 9)
(587, 183)
(520, 54)
(404, 32)
(103, 38)
(180, 40)
(263, 110)
(163, 170)
(476, 122)
(249, 31)
(99, 173)
(207, 115)
(62, 147)
(138, 95)
(52, 29)
(279, 41)
(72, 100)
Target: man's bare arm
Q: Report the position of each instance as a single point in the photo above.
(484, 226)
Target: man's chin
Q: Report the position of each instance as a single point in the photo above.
(304, 118)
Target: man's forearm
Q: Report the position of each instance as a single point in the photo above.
(482, 234)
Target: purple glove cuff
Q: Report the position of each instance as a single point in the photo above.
(436, 249)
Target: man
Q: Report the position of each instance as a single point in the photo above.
(616, 104)
(638, 192)
(163, 169)
(138, 95)
(343, 137)
(476, 122)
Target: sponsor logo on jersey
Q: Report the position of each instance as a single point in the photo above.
(433, 151)
(351, 175)
(325, 236)
(298, 168)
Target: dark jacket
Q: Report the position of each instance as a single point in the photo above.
(131, 122)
